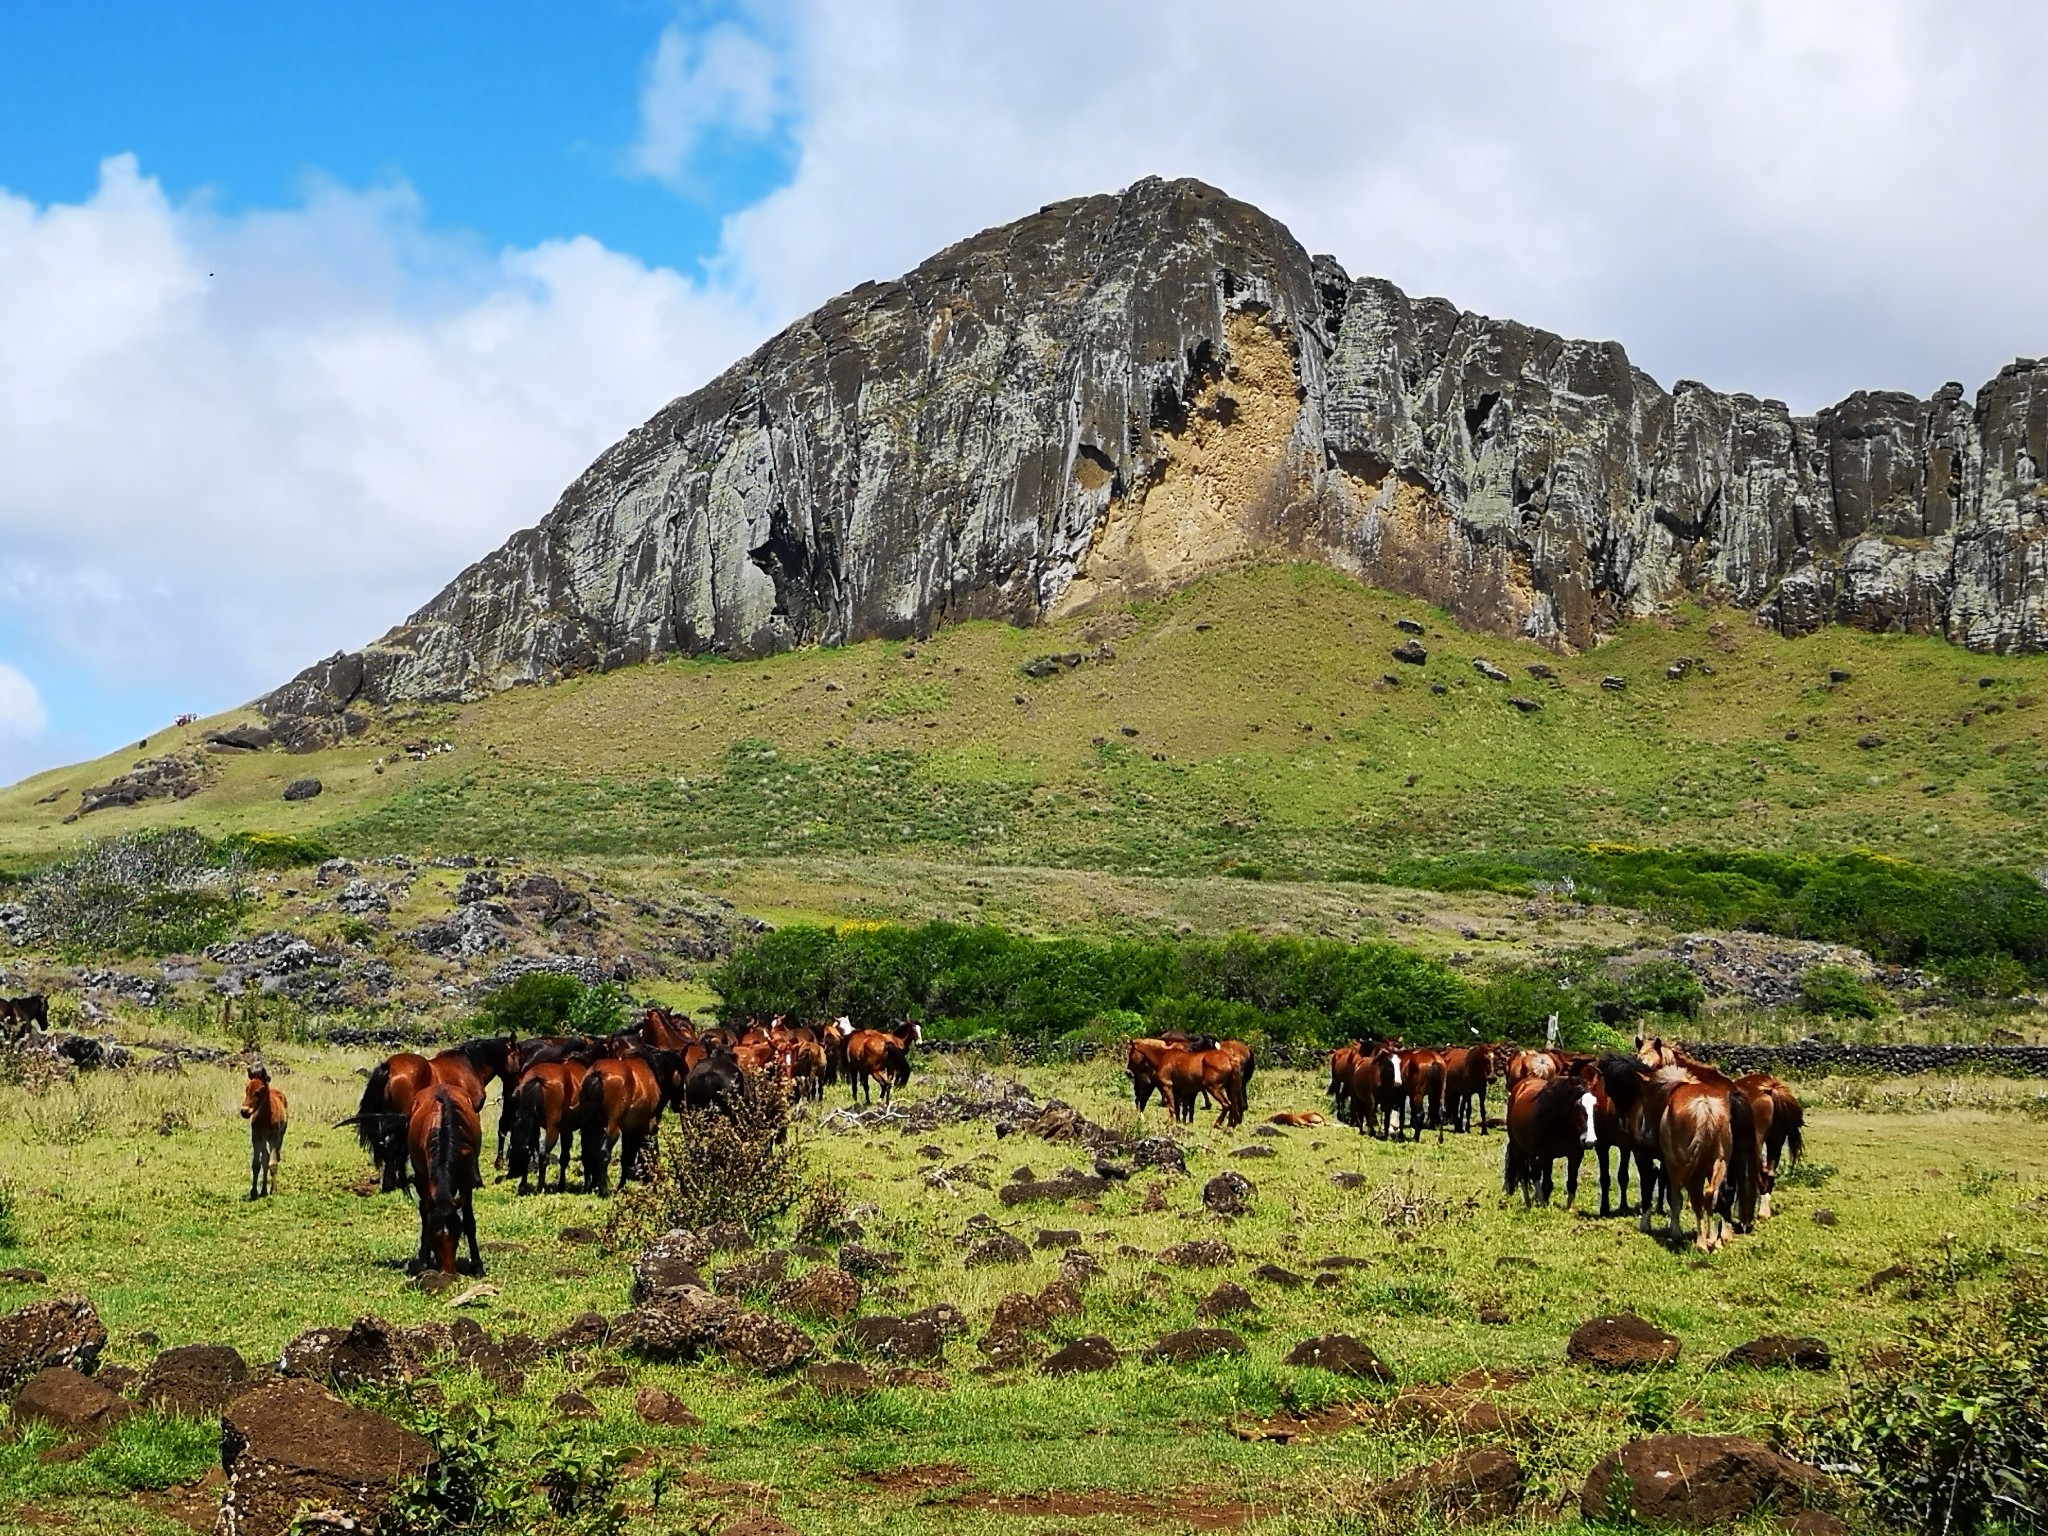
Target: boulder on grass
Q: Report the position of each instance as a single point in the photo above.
(1781, 1352)
(1696, 1480)
(74, 1403)
(660, 1407)
(63, 1330)
(1475, 1486)
(368, 1352)
(1341, 1353)
(1621, 1342)
(897, 1338)
(1185, 1346)
(682, 1324)
(195, 1380)
(294, 1446)
(1091, 1353)
(768, 1343)
(825, 1293)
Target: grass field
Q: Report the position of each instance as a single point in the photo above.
(128, 1190)
(1252, 723)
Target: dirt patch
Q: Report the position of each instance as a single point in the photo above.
(1284, 1428)
(193, 1505)
(1192, 1508)
(918, 1479)
(45, 1519)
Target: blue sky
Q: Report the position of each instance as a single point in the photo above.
(304, 308)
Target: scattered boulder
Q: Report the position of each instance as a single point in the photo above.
(897, 1338)
(1489, 671)
(1696, 1480)
(1060, 1298)
(944, 1316)
(825, 1293)
(998, 1248)
(865, 1262)
(155, 778)
(21, 1274)
(1068, 1185)
(1202, 1253)
(839, 1378)
(1782, 1352)
(1018, 1312)
(1411, 652)
(662, 1408)
(1008, 1349)
(195, 1379)
(303, 789)
(369, 1352)
(1408, 626)
(679, 1324)
(587, 1330)
(768, 1343)
(1159, 1153)
(73, 1402)
(1276, 1274)
(1253, 1150)
(1475, 1486)
(1185, 1346)
(1089, 1353)
(1621, 1342)
(1228, 1300)
(293, 1446)
(1341, 1353)
(64, 1330)
(1347, 1179)
(1614, 684)
(755, 1274)
(1228, 1193)
(574, 1405)
(1822, 1217)
(1056, 1237)
(1525, 704)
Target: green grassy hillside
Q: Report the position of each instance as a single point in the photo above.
(1254, 723)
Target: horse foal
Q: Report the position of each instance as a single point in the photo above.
(264, 1108)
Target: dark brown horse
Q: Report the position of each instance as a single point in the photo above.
(1424, 1070)
(880, 1056)
(264, 1108)
(398, 1080)
(617, 1108)
(1467, 1071)
(1547, 1118)
(541, 1121)
(445, 1138)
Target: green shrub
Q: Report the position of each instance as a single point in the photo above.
(537, 1003)
(1954, 1438)
(277, 850)
(140, 893)
(1838, 992)
(963, 982)
(1983, 976)
(738, 1166)
(1663, 987)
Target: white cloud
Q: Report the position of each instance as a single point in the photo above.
(234, 444)
(725, 81)
(21, 707)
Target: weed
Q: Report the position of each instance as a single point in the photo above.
(738, 1165)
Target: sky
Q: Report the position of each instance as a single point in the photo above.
(303, 309)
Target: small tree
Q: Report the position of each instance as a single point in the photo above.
(734, 1164)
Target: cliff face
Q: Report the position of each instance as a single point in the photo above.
(1117, 393)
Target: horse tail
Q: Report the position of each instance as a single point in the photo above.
(522, 1125)
(370, 1111)
(1795, 1118)
(897, 1063)
(1743, 1167)
(444, 1158)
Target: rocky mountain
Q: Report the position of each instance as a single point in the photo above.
(1117, 393)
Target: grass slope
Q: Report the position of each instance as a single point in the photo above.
(1253, 724)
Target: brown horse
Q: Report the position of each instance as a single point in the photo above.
(1382, 1087)
(1547, 1118)
(1706, 1137)
(1142, 1061)
(1184, 1076)
(1780, 1124)
(264, 1108)
(445, 1137)
(1424, 1070)
(880, 1056)
(617, 1107)
(388, 1096)
(1467, 1071)
(541, 1122)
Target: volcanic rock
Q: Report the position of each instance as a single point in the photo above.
(1622, 1342)
(63, 1330)
(1088, 1354)
(1341, 1353)
(1481, 1484)
(293, 1446)
(61, 1396)
(1779, 1351)
(1696, 1480)
(1187, 1345)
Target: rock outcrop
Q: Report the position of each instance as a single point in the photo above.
(1117, 393)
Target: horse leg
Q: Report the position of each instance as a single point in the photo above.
(467, 1210)
(1571, 1177)
(255, 1163)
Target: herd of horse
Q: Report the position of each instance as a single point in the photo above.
(1693, 1134)
(421, 1117)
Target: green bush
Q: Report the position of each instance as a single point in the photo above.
(1904, 913)
(1983, 976)
(1954, 1437)
(1838, 992)
(139, 893)
(963, 982)
(537, 1003)
(277, 850)
(1663, 987)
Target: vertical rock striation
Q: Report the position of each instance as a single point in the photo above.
(1115, 394)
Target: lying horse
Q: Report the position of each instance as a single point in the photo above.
(264, 1108)
(444, 1138)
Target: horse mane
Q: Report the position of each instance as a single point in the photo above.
(369, 1111)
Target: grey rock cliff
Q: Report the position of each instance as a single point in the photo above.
(1115, 394)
